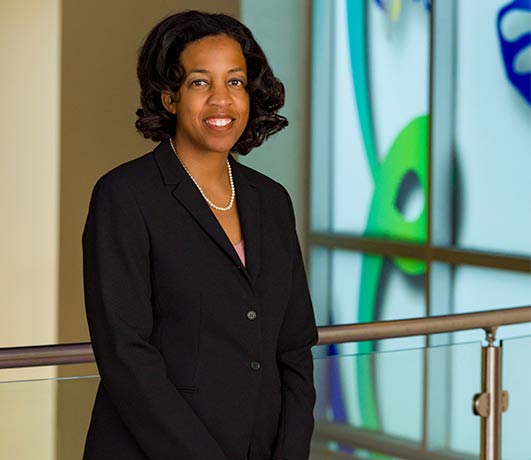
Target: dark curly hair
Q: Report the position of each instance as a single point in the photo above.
(159, 69)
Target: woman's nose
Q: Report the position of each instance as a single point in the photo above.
(220, 94)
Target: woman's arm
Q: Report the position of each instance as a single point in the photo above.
(116, 268)
(297, 335)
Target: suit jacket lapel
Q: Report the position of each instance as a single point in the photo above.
(190, 197)
(248, 200)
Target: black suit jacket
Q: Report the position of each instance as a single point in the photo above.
(187, 372)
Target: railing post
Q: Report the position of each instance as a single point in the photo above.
(492, 401)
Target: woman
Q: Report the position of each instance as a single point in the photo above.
(196, 297)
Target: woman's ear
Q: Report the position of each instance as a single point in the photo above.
(167, 101)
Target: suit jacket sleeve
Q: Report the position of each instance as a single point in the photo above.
(297, 335)
(116, 267)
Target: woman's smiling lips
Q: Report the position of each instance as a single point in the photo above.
(220, 123)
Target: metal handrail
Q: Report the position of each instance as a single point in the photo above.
(46, 355)
(489, 404)
(78, 353)
(423, 326)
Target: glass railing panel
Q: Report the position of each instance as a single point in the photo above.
(453, 377)
(403, 404)
(45, 419)
(406, 404)
(516, 379)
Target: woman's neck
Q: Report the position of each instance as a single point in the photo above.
(204, 166)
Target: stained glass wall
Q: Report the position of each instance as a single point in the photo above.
(420, 185)
(369, 152)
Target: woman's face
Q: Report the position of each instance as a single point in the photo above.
(212, 106)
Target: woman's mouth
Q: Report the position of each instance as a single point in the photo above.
(218, 123)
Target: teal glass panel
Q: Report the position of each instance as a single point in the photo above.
(462, 382)
(516, 380)
(453, 374)
(370, 131)
(393, 405)
(320, 134)
(388, 419)
(354, 287)
(319, 281)
(467, 289)
(492, 126)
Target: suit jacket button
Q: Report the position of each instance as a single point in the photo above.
(251, 315)
(255, 365)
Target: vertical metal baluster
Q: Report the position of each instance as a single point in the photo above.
(492, 401)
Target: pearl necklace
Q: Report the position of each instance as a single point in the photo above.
(232, 189)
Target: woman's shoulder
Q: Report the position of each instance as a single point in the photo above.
(133, 173)
(133, 170)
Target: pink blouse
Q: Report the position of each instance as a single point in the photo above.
(240, 249)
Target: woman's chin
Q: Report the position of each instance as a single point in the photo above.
(221, 147)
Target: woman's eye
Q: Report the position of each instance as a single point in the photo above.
(198, 83)
(236, 82)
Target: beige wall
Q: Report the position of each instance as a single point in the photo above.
(29, 133)
(29, 159)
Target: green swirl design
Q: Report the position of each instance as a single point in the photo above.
(407, 154)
